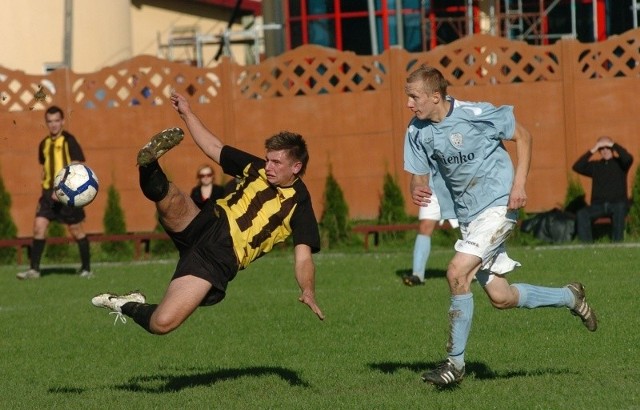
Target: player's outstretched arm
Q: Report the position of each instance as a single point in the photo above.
(205, 139)
(305, 275)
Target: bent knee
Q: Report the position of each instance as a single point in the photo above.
(502, 304)
(504, 301)
(162, 324)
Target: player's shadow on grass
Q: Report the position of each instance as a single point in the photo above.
(163, 383)
(58, 271)
(478, 370)
(429, 274)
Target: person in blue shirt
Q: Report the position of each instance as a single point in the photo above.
(456, 149)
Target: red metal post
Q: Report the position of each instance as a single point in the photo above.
(602, 20)
(304, 21)
(433, 29)
(544, 24)
(287, 25)
(338, 18)
(385, 25)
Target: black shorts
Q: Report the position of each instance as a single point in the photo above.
(57, 211)
(206, 251)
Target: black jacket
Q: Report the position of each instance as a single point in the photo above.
(608, 178)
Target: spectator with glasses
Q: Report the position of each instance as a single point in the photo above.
(205, 188)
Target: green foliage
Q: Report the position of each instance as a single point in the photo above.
(575, 196)
(633, 221)
(114, 223)
(8, 228)
(334, 224)
(392, 209)
(161, 247)
(392, 203)
(57, 252)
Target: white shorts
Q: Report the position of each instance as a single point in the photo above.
(432, 212)
(484, 237)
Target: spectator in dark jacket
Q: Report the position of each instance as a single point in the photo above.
(608, 188)
(206, 188)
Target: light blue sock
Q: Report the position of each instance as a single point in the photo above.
(421, 251)
(460, 318)
(539, 296)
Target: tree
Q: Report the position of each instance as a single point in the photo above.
(334, 223)
(161, 247)
(633, 218)
(114, 223)
(8, 229)
(575, 197)
(392, 206)
(392, 203)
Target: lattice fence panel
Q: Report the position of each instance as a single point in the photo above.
(22, 92)
(481, 60)
(313, 70)
(617, 57)
(143, 81)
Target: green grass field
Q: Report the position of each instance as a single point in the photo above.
(261, 349)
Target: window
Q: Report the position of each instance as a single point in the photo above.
(345, 25)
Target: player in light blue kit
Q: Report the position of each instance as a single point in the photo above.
(459, 147)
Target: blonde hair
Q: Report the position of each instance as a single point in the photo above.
(432, 80)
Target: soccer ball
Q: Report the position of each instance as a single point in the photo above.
(76, 185)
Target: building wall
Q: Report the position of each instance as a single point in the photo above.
(32, 33)
(152, 22)
(104, 33)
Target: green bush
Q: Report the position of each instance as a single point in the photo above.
(575, 197)
(392, 203)
(334, 223)
(392, 208)
(161, 247)
(633, 219)
(114, 223)
(8, 229)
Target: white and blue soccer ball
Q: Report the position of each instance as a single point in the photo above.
(76, 185)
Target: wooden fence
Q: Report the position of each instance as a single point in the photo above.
(350, 108)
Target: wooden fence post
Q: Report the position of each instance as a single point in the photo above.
(568, 58)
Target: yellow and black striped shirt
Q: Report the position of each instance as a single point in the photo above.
(55, 153)
(260, 214)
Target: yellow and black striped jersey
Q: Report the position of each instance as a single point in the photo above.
(56, 153)
(260, 214)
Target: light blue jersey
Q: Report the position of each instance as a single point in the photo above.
(470, 168)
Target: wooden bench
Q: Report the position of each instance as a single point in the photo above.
(603, 220)
(368, 230)
(141, 242)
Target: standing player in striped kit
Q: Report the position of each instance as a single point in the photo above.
(459, 147)
(57, 150)
(270, 203)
